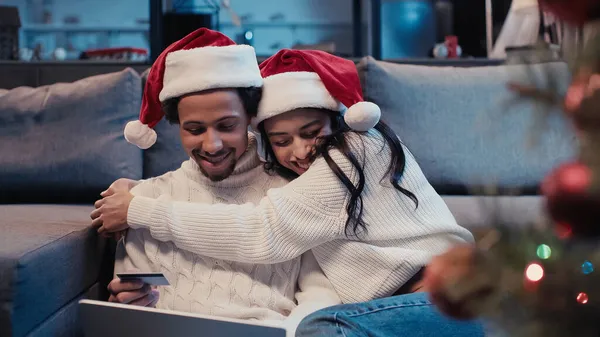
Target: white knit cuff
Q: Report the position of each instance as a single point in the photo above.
(140, 211)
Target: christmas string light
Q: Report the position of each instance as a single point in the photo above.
(587, 268)
(534, 272)
(544, 252)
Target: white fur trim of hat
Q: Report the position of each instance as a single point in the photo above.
(293, 90)
(199, 69)
(302, 89)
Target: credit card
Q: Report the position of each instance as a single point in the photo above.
(154, 279)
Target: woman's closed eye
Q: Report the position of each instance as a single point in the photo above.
(311, 134)
(280, 142)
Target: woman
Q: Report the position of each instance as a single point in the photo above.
(357, 199)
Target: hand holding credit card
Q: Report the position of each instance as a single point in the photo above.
(153, 279)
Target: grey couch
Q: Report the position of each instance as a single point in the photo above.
(61, 145)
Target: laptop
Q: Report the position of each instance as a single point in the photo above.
(102, 319)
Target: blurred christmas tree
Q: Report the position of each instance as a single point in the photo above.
(542, 280)
(533, 282)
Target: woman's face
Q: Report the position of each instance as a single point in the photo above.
(293, 134)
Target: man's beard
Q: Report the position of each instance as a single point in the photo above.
(221, 175)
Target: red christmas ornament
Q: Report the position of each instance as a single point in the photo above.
(563, 230)
(569, 202)
(573, 11)
(570, 179)
(582, 298)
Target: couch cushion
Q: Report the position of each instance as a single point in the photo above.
(64, 142)
(460, 127)
(48, 256)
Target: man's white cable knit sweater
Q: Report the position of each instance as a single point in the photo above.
(310, 213)
(206, 285)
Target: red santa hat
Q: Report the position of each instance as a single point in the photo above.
(314, 79)
(202, 60)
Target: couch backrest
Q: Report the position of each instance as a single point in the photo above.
(458, 122)
(64, 142)
(37, 74)
(465, 128)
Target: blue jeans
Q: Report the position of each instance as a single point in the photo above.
(405, 315)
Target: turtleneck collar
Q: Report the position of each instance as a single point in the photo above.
(243, 174)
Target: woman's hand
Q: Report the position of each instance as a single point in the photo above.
(122, 184)
(110, 214)
(583, 85)
(448, 269)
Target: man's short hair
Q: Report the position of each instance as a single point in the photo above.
(250, 99)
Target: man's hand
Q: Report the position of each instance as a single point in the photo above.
(110, 214)
(134, 293)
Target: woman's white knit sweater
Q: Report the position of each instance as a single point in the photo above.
(285, 291)
(310, 213)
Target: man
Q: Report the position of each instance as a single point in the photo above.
(210, 87)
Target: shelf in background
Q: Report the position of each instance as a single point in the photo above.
(52, 28)
(463, 62)
(458, 62)
(284, 24)
(42, 28)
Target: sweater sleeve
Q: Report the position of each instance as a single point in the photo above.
(130, 255)
(287, 222)
(315, 292)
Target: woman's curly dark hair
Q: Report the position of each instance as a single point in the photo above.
(355, 223)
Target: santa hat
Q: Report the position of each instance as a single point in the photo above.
(314, 79)
(202, 60)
